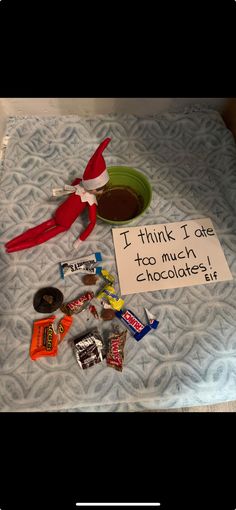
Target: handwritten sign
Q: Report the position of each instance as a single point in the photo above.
(181, 254)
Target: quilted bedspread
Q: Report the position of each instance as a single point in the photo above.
(190, 160)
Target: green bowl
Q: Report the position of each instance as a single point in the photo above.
(132, 178)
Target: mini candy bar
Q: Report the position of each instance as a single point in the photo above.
(82, 265)
(44, 340)
(63, 327)
(108, 293)
(151, 319)
(77, 305)
(115, 352)
(88, 349)
(132, 322)
(136, 327)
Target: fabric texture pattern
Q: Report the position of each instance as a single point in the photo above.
(189, 158)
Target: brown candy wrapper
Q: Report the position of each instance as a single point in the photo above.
(115, 352)
(93, 311)
(88, 349)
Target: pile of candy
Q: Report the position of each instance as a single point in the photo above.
(90, 348)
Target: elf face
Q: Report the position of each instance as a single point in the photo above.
(98, 191)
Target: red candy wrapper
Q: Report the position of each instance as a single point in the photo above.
(77, 305)
(93, 311)
(115, 352)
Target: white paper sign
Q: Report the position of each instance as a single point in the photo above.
(181, 254)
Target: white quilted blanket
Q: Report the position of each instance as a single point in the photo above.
(190, 159)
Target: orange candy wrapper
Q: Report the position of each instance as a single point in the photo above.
(45, 340)
(64, 326)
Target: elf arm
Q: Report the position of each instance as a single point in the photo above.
(89, 228)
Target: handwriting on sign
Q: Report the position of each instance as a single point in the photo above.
(154, 257)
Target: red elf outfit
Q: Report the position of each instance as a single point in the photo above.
(82, 194)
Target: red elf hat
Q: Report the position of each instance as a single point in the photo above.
(95, 175)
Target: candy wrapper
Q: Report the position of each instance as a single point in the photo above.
(115, 351)
(93, 311)
(89, 349)
(108, 293)
(44, 341)
(63, 327)
(77, 305)
(81, 265)
(135, 326)
(109, 278)
(151, 319)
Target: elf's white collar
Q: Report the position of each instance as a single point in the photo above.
(85, 196)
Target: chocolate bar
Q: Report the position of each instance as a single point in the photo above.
(115, 352)
(135, 326)
(81, 265)
(77, 305)
(88, 349)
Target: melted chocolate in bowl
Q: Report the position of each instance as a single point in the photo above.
(119, 203)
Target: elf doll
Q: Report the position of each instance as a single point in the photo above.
(82, 193)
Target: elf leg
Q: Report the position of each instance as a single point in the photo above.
(31, 233)
(42, 238)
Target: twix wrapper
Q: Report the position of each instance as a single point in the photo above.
(115, 352)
